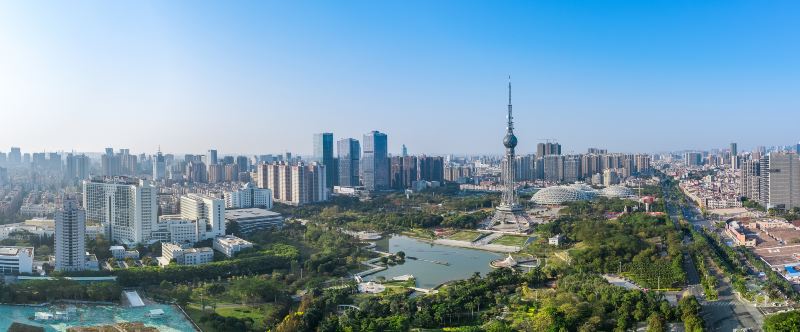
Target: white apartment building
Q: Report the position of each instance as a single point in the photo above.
(206, 210)
(16, 260)
(249, 197)
(70, 237)
(230, 245)
(128, 208)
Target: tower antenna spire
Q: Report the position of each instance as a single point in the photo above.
(510, 117)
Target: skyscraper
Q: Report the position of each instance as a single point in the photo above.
(509, 211)
(15, 156)
(70, 236)
(159, 167)
(375, 161)
(782, 180)
(734, 156)
(211, 157)
(323, 153)
(349, 155)
(126, 207)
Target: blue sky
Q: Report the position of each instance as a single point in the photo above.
(263, 76)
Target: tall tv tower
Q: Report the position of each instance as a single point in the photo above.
(509, 211)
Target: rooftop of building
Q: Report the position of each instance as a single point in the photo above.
(232, 240)
(249, 213)
(12, 251)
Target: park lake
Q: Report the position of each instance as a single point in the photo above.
(429, 268)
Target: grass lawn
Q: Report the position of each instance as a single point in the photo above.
(256, 313)
(468, 236)
(511, 240)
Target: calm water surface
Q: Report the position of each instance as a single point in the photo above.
(463, 262)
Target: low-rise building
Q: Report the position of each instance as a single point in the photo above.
(16, 260)
(555, 240)
(184, 255)
(119, 252)
(230, 245)
(250, 220)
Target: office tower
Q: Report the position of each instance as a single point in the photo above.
(642, 163)
(734, 156)
(15, 156)
(287, 157)
(780, 181)
(404, 151)
(548, 148)
(375, 161)
(126, 207)
(159, 167)
(248, 196)
(349, 155)
(693, 159)
(205, 210)
(572, 168)
(211, 157)
(323, 153)
(70, 236)
(797, 148)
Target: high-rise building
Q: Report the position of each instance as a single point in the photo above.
(211, 157)
(70, 236)
(403, 172)
(216, 173)
(596, 151)
(110, 164)
(196, 172)
(642, 162)
(323, 153)
(430, 168)
(524, 167)
(734, 156)
(15, 156)
(205, 210)
(77, 167)
(128, 208)
(349, 155)
(553, 168)
(782, 181)
(404, 151)
(295, 184)
(693, 159)
(548, 148)
(375, 161)
(572, 168)
(159, 167)
(750, 181)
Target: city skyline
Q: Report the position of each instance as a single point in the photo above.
(192, 77)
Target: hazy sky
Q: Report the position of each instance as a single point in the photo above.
(263, 76)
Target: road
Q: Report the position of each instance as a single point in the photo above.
(728, 313)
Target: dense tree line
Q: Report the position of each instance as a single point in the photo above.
(148, 275)
(38, 291)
